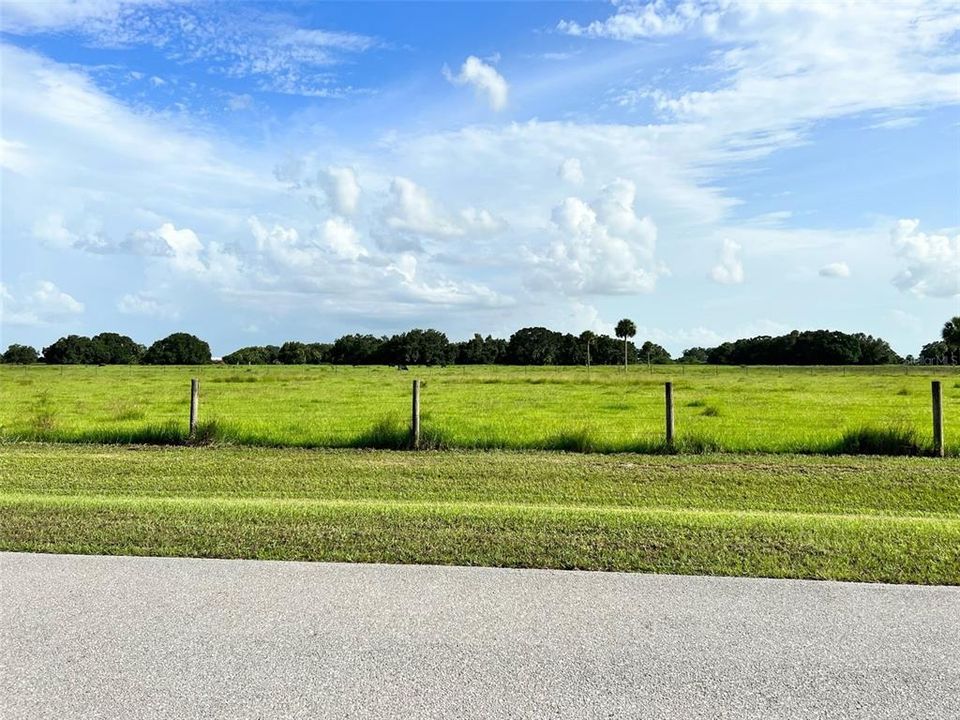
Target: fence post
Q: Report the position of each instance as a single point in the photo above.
(937, 393)
(415, 418)
(194, 405)
(668, 396)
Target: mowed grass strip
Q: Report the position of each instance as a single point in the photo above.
(870, 519)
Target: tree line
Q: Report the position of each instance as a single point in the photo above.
(527, 346)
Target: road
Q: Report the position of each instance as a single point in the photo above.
(124, 637)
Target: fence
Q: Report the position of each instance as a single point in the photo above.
(669, 416)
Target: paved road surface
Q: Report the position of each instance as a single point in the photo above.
(94, 637)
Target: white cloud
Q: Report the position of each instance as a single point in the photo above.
(785, 64)
(142, 304)
(14, 156)
(570, 171)
(635, 20)
(729, 271)
(412, 210)
(485, 80)
(28, 16)
(45, 304)
(342, 189)
(932, 261)
(235, 42)
(835, 270)
(481, 222)
(896, 123)
(342, 239)
(183, 247)
(242, 101)
(282, 244)
(601, 248)
(52, 231)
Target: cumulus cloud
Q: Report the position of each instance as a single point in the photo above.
(45, 303)
(636, 20)
(932, 261)
(145, 305)
(342, 189)
(570, 171)
(182, 246)
(729, 271)
(835, 270)
(182, 251)
(481, 222)
(282, 244)
(484, 79)
(52, 231)
(342, 239)
(413, 210)
(601, 248)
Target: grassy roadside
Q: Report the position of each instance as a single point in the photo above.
(872, 519)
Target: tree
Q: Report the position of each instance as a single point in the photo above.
(69, 350)
(115, 349)
(935, 353)
(178, 349)
(588, 338)
(293, 353)
(317, 352)
(694, 355)
(625, 329)
(809, 347)
(654, 354)
(20, 355)
(951, 332)
(419, 347)
(253, 355)
(533, 346)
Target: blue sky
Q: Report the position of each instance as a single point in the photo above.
(255, 173)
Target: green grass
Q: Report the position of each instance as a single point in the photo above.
(782, 410)
(844, 518)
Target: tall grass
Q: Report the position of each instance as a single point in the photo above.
(895, 440)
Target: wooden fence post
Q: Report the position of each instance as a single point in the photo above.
(937, 393)
(415, 419)
(194, 405)
(668, 396)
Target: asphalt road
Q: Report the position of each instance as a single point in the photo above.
(123, 637)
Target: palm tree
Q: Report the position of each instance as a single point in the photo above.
(625, 329)
(587, 338)
(951, 332)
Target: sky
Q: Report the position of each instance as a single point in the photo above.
(261, 172)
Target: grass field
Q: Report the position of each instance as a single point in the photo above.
(604, 409)
(872, 519)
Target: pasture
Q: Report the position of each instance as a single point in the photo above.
(843, 518)
(603, 409)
